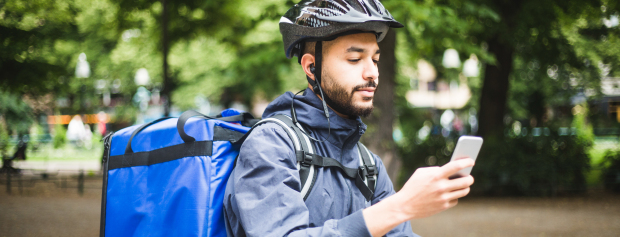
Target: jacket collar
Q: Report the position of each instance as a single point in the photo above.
(309, 110)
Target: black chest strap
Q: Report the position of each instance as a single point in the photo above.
(306, 159)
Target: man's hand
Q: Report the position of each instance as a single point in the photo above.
(427, 192)
(430, 191)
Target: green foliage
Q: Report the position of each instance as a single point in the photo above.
(520, 165)
(223, 50)
(199, 72)
(611, 170)
(16, 113)
(60, 136)
(544, 165)
(557, 49)
(96, 139)
(29, 33)
(430, 152)
(433, 26)
(584, 130)
(124, 116)
(47, 152)
(4, 139)
(36, 134)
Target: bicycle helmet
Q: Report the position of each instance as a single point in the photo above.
(323, 20)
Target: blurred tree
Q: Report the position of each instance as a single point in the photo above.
(540, 44)
(4, 139)
(30, 31)
(41, 41)
(15, 112)
(535, 45)
(185, 21)
(18, 117)
(539, 58)
(242, 63)
(530, 31)
(430, 28)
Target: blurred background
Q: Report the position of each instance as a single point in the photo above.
(539, 80)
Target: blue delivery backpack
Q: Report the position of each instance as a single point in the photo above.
(168, 177)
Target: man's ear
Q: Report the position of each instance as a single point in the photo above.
(307, 62)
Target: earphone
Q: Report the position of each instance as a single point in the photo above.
(316, 87)
(315, 84)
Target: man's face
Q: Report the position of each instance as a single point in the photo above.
(350, 74)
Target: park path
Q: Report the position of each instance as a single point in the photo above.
(594, 214)
(44, 209)
(59, 165)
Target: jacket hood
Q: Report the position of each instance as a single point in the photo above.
(309, 110)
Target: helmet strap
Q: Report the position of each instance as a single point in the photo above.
(316, 87)
(316, 83)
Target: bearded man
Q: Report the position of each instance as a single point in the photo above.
(336, 45)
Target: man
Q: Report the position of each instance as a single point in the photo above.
(336, 43)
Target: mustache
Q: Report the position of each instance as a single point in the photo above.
(366, 85)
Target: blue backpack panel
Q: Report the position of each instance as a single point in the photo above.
(166, 182)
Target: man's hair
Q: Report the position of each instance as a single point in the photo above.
(309, 48)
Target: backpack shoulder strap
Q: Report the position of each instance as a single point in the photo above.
(307, 170)
(302, 145)
(367, 167)
(364, 176)
(308, 161)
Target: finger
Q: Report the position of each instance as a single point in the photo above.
(453, 203)
(460, 183)
(452, 167)
(458, 193)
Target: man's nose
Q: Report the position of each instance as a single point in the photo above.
(371, 71)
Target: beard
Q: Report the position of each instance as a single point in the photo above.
(341, 99)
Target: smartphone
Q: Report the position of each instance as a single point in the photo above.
(466, 147)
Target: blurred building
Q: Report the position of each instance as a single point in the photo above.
(610, 87)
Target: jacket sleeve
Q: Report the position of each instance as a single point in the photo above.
(267, 190)
(384, 189)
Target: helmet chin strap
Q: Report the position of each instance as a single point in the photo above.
(316, 87)
(316, 84)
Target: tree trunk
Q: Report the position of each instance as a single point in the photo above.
(378, 138)
(166, 90)
(495, 90)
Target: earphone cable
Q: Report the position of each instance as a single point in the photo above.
(328, 121)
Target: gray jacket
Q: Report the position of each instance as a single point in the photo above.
(263, 197)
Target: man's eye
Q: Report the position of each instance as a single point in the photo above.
(376, 61)
(354, 60)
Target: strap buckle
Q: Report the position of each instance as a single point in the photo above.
(306, 159)
(372, 170)
(367, 170)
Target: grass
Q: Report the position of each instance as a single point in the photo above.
(68, 152)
